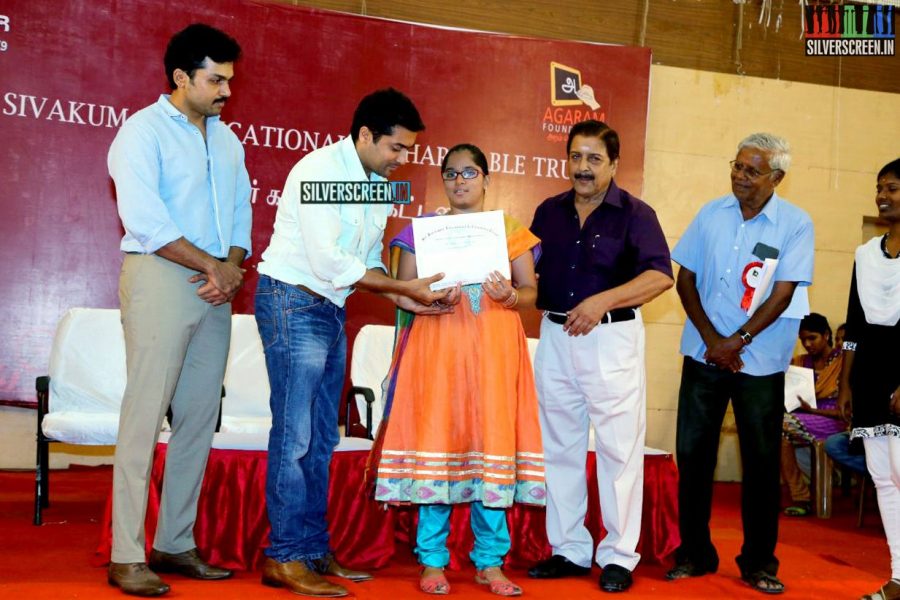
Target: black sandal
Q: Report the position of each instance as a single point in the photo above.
(763, 582)
(686, 570)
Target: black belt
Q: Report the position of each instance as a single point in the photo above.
(616, 315)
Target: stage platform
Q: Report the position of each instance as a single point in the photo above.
(232, 528)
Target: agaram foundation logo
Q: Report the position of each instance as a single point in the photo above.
(571, 101)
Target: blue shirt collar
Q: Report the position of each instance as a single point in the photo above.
(165, 101)
(769, 211)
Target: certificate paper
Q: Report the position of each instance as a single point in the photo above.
(466, 248)
(799, 306)
(799, 381)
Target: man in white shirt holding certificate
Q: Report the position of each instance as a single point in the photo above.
(319, 253)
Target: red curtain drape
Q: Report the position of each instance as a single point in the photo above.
(232, 528)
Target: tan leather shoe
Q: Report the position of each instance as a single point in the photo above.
(298, 578)
(135, 579)
(186, 563)
(327, 565)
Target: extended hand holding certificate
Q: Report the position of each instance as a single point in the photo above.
(466, 248)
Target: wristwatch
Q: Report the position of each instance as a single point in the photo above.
(745, 337)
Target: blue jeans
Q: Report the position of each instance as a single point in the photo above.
(837, 446)
(306, 351)
(488, 524)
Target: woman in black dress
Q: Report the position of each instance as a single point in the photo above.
(870, 378)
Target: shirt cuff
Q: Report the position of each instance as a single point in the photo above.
(245, 245)
(353, 274)
(165, 235)
(377, 265)
(683, 261)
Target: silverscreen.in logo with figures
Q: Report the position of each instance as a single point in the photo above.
(355, 192)
(833, 29)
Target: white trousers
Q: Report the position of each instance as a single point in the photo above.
(883, 460)
(593, 380)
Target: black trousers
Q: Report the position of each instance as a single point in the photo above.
(758, 404)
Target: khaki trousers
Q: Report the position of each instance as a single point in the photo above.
(176, 346)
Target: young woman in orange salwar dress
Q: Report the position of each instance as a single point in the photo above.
(463, 413)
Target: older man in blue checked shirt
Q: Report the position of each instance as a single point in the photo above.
(734, 353)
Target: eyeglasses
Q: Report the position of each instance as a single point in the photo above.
(747, 170)
(467, 173)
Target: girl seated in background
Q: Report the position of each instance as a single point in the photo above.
(806, 425)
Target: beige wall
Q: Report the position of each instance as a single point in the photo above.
(840, 139)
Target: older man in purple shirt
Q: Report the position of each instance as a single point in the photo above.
(604, 255)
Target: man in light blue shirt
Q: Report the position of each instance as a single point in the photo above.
(728, 253)
(183, 195)
(318, 255)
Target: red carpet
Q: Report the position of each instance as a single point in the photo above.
(820, 558)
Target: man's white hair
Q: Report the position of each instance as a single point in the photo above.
(777, 147)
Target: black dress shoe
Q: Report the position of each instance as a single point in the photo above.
(557, 566)
(186, 563)
(615, 578)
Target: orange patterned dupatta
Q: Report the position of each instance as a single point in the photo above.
(527, 464)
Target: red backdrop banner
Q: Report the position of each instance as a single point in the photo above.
(72, 72)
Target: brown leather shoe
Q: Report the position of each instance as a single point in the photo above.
(298, 578)
(327, 565)
(135, 579)
(186, 563)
